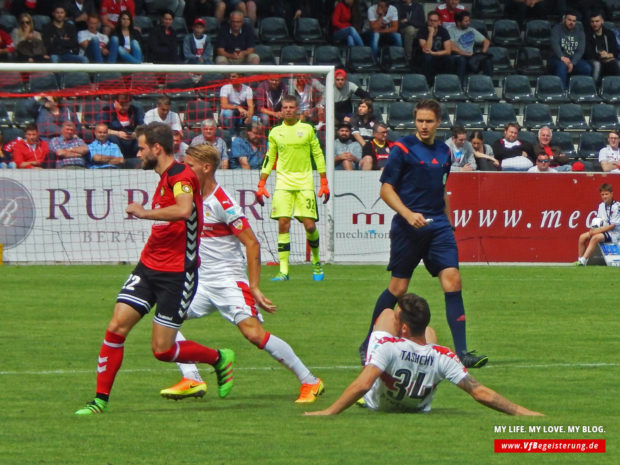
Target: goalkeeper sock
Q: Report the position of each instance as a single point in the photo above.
(284, 250)
(455, 314)
(188, 370)
(313, 241)
(283, 353)
(109, 362)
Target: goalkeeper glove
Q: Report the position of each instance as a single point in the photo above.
(324, 190)
(260, 191)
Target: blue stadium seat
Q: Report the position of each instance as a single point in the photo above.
(480, 88)
(537, 115)
(582, 89)
(414, 87)
(604, 117)
(447, 87)
(571, 117)
(517, 89)
(549, 89)
(590, 143)
(506, 33)
(469, 115)
(500, 114)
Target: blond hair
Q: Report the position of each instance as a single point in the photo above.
(205, 153)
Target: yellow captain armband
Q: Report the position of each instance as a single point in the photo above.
(182, 187)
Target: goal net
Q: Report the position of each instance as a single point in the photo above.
(54, 215)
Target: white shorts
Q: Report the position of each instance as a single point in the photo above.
(230, 297)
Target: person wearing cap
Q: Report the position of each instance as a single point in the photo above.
(197, 48)
(344, 90)
(347, 151)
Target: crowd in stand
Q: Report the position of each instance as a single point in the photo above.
(436, 38)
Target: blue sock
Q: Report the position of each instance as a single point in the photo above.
(385, 300)
(455, 314)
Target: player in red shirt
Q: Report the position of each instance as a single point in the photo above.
(167, 273)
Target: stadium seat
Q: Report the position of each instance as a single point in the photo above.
(610, 89)
(360, 59)
(529, 61)
(528, 136)
(12, 82)
(517, 89)
(549, 89)
(92, 111)
(604, 117)
(571, 117)
(582, 89)
(400, 115)
(196, 111)
(78, 79)
(212, 27)
(293, 54)
(10, 134)
(590, 143)
(307, 30)
(327, 55)
(613, 7)
(538, 33)
(446, 121)
(447, 87)
(501, 61)
(469, 115)
(393, 60)
(8, 22)
(40, 21)
(109, 80)
(395, 134)
(491, 136)
(25, 112)
(537, 115)
(488, 9)
(564, 141)
(480, 88)
(179, 26)
(500, 114)
(273, 30)
(42, 82)
(381, 87)
(265, 53)
(145, 24)
(181, 85)
(414, 87)
(506, 33)
(5, 118)
(480, 26)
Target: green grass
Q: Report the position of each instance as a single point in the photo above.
(551, 334)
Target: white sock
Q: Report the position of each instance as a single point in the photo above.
(188, 370)
(283, 353)
(583, 260)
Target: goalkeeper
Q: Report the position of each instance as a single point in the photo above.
(292, 143)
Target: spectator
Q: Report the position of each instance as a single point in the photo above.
(196, 8)
(568, 44)
(602, 49)
(347, 151)
(125, 41)
(464, 38)
(209, 136)
(78, 11)
(584, 8)
(483, 153)
(102, 152)
(513, 154)
(235, 42)
(447, 10)
(558, 161)
(111, 9)
(236, 102)
(363, 122)
(522, 10)
(342, 26)
(163, 46)
(383, 19)
(122, 118)
(436, 47)
(27, 41)
(68, 148)
(344, 90)
(310, 98)
(93, 44)
(269, 96)
(178, 146)
(33, 7)
(461, 150)
(52, 115)
(248, 149)
(410, 20)
(246, 7)
(542, 165)
(31, 152)
(197, 47)
(162, 114)
(609, 156)
(60, 39)
(375, 153)
(7, 48)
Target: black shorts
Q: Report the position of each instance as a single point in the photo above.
(171, 291)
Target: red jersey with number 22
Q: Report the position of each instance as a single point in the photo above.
(173, 245)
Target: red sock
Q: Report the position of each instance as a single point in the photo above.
(110, 359)
(192, 352)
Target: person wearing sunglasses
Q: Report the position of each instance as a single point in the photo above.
(542, 165)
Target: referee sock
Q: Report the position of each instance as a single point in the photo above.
(385, 300)
(284, 250)
(283, 353)
(188, 370)
(313, 241)
(109, 362)
(455, 314)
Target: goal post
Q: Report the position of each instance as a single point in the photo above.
(77, 216)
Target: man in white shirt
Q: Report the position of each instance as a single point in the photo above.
(162, 114)
(93, 43)
(237, 103)
(542, 165)
(383, 19)
(609, 156)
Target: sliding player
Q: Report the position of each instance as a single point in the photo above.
(223, 284)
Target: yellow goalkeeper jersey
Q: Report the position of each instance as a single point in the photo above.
(293, 146)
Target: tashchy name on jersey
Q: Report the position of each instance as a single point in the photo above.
(417, 358)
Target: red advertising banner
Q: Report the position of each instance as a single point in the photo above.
(523, 217)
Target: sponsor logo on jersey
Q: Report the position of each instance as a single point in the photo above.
(187, 188)
(230, 211)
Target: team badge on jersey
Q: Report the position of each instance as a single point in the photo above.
(237, 224)
(300, 134)
(162, 192)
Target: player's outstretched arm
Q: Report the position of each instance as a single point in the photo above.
(391, 198)
(252, 252)
(360, 386)
(492, 399)
(181, 210)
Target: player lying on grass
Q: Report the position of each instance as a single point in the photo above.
(223, 283)
(404, 367)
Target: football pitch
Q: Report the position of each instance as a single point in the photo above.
(551, 334)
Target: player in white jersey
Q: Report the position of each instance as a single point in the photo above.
(404, 367)
(609, 211)
(224, 286)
